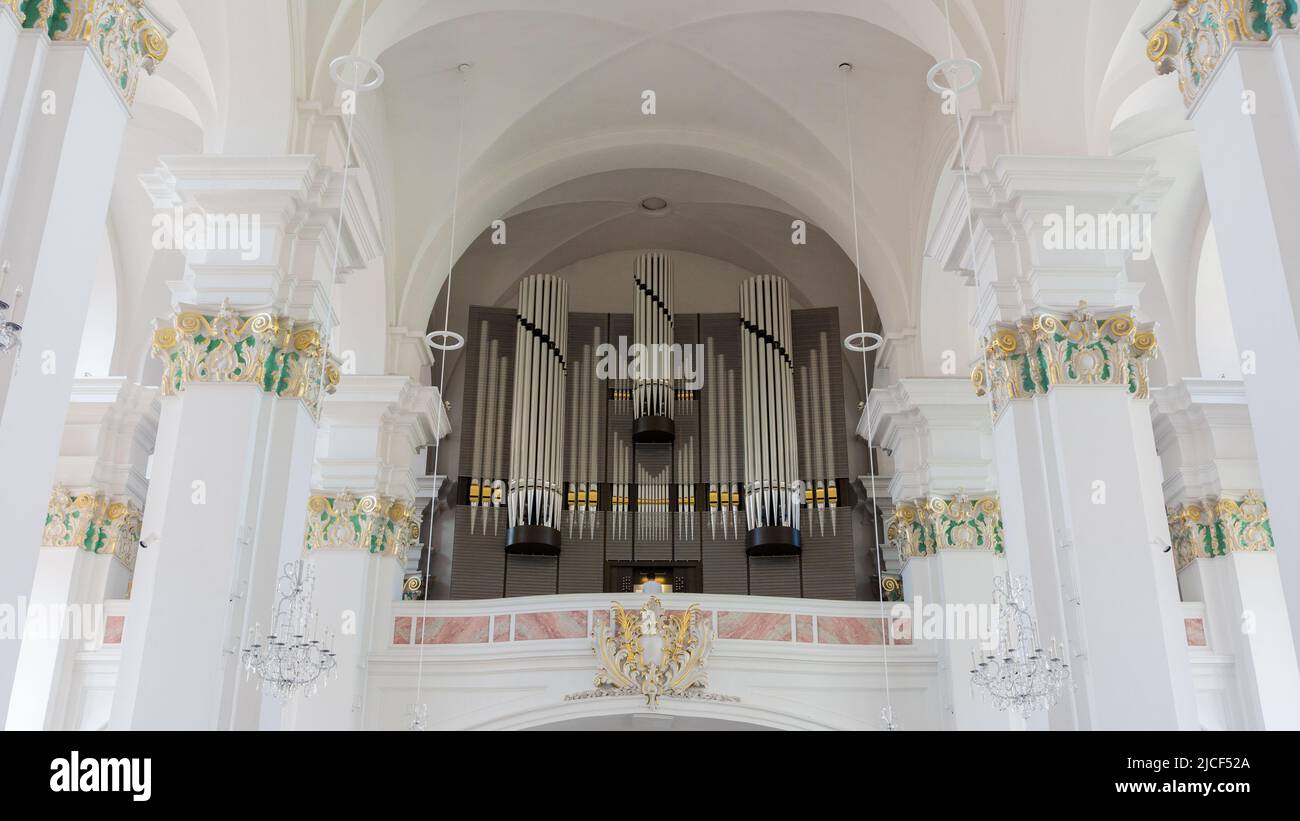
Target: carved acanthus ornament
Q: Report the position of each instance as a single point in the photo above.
(925, 526)
(1194, 35)
(125, 34)
(94, 522)
(373, 523)
(1028, 359)
(265, 350)
(652, 653)
(1217, 527)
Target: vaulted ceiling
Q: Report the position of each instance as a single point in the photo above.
(750, 130)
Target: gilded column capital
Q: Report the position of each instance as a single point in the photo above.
(267, 350)
(95, 522)
(127, 37)
(923, 527)
(376, 524)
(1194, 35)
(1219, 526)
(1028, 358)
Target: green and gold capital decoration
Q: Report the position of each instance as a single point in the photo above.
(1194, 35)
(93, 522)
(1217, 527)
(123, 33)
(263, 350)
(925, 526)
(1076, 348)
(376, 524)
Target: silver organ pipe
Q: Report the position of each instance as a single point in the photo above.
(536, 500)
(487, 478)
(772, 487)
(652, 328)
(593, 426)
(498, 450)
(824, 418)
(477, 478)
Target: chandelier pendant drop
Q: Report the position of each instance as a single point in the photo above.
(419, 716)
(1018, 674)
(10, 332)
(294, 656)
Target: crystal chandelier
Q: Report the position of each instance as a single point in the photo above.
(1022, 676)
(419, 715)
(293, 656)
(9, 331)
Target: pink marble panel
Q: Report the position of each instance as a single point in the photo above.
(1195, 632)
(753, 626)
(803, 628)
(599, 617)
(501, 627)
(402, 630)
(555, 624)
(113, 629)
(453, 630)
(849, 630)
(900, 632)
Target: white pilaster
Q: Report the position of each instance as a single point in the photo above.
(1078, 473)
(60, 197)
(102, 461)
(236, 438)
(373, 431)
(1252, 181)
(1203, 430)
(939, 435)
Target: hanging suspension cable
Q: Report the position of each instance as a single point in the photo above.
(445, 333)
(887, 714)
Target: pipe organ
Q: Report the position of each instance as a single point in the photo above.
(654, 389)
(750, 496)
(534, 497)
(773, 492)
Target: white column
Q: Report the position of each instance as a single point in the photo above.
(374, 429)
(1252, 180)
(88, 546)
(22, 63)
(1078, 474)
(946, 524)
(57, 199)
(1223, 546)
(236, 434)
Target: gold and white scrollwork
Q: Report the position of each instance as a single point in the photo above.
(1209, 528)
(124, 34)
(1193, 37)
(376, 524)
(922, 527)
(1076, 348)
(94, 522)
(263, 349)
(652, 653)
